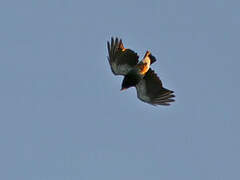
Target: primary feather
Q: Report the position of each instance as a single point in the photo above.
(120, 59)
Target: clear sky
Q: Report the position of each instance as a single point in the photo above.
(63, 117)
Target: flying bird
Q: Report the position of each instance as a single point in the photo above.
(137, 73)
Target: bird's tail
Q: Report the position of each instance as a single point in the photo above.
(151, 57)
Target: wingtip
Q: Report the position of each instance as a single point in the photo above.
(112, 41)
(165, 99)
(108, 47)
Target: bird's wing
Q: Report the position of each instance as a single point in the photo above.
(120, 59)
(150, 90)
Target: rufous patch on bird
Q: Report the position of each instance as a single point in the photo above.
(143, 67)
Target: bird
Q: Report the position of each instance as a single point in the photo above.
(137, 73)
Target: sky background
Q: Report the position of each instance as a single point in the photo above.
(63, 117)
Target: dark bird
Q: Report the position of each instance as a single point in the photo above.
(138, 74)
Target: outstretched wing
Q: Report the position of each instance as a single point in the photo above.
(150, 90)
(120, 59)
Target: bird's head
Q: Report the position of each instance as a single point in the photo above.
(129, 81)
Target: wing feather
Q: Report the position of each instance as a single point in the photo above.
(151, 90)
(121, 60)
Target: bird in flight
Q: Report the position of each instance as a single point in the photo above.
(138, 74)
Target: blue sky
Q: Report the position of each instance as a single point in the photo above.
(62, 116)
